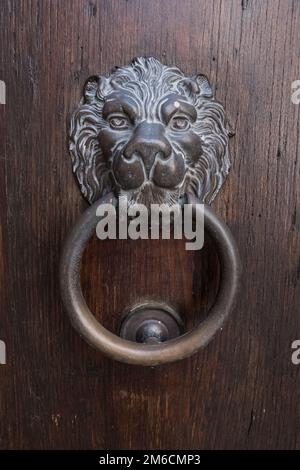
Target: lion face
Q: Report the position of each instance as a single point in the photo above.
(149, 132)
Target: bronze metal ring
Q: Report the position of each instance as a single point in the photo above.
(147, 354)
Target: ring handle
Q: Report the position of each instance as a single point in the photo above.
(147, 354)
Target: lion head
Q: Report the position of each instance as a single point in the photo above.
(151, 133)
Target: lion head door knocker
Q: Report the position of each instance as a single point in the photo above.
(151, 134)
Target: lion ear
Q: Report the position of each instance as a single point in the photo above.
(94, 88)
(204, 88)
(198, 85)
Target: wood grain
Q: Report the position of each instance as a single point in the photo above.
(242, 391)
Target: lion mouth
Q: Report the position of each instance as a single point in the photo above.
(149, 194)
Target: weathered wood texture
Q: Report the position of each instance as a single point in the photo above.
(242, 391)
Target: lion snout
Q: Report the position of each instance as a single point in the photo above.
(164, 172)
(148, 157)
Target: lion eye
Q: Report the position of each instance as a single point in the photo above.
(118, 122)
(180, 124)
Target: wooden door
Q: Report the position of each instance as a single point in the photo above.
(240, 391)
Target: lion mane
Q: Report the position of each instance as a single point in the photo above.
(150, 80)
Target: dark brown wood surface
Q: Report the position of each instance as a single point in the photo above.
(242, 391)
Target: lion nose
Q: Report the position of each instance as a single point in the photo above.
(148, 144)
